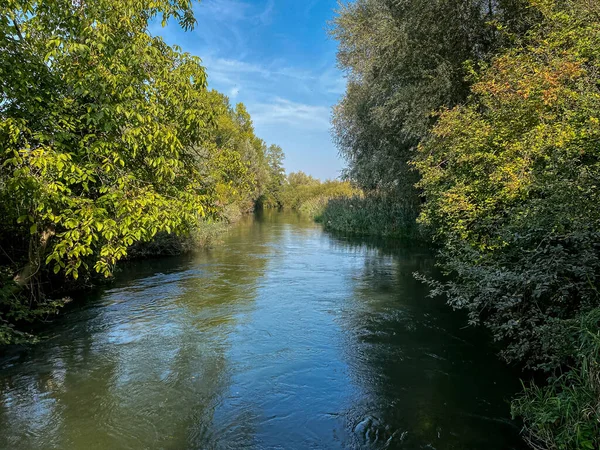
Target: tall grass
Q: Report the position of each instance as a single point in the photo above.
(315, 207)
(205, 234)
(565, 414)
(304, 193)
(373, 214)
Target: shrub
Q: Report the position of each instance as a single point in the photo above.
(301, 191)
(315, 207)
(511, 181)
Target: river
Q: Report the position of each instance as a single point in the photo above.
(283, 337)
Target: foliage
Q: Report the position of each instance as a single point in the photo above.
(507, 172)
(566, 413)
(246, 169)
(511, 181)
(371, 214)
(98, 122)
(109, 138)
(404, 60)
(204, 234)
(277, 178)
(301, 191)
(315, 207)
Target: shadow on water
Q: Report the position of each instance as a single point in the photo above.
(283, 337)
(424, 379)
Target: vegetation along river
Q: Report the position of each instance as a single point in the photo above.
(284, 337)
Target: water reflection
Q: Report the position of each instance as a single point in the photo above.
(283, 337)
(424, 381)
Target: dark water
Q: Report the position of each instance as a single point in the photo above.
(285, 337)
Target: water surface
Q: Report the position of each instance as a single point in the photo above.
(284, 337)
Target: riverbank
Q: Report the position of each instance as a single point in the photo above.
(494, 133)
(115, 149)
(205, 234)
(58, 293)
(372, 215)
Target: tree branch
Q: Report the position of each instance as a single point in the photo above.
(16, 25)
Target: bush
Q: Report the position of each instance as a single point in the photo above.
(19, 307)
(511, 181)
(205, 234)
(315, 207)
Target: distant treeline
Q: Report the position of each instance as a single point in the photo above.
(480, 120)
(110, 145)
(308, 195)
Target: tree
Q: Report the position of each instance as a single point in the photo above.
(97, 123)
(275, 157)
(108, 136)
(405, 60)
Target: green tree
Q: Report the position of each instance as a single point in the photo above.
(98, 122)
(108, 137)
(511, 182)
(405, 60)
(275, 157)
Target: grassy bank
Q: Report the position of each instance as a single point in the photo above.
(374, 215)
(342, 207)
(309, 196)
(204, 234)
(565, 413)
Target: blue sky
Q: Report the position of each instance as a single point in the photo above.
(276, 58)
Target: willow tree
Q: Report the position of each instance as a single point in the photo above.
(404, 61)
(98, 126)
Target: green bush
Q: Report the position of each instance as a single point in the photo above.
(315, 207)
(18, 308)
(511, 181)
(205, 234)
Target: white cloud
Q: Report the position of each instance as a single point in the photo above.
(232, 71)
(299, 115)
(235, 11)
(333, 83)
(221, 65)
(222, 10)
(288, 91)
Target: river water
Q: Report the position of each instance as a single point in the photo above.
(284, 337)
